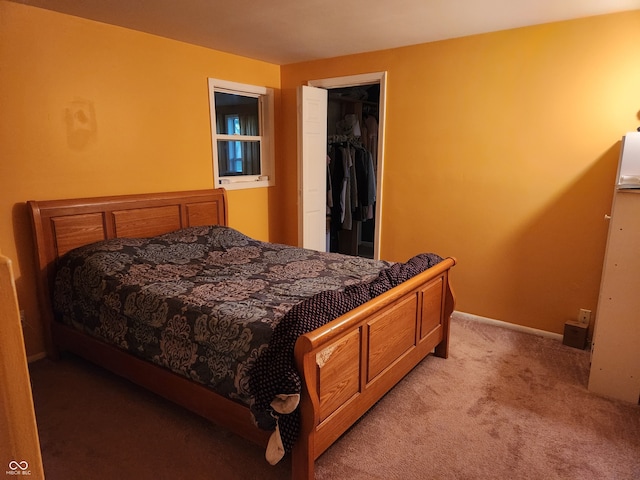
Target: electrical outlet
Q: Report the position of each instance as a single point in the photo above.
(584, 316)
(22, 317)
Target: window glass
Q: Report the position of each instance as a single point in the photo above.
(241, 110)
(238, 158)
(242, 126)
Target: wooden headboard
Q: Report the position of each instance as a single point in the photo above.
(62, 225)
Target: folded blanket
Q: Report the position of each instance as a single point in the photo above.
(274, 380)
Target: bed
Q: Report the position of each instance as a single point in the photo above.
(343, 367)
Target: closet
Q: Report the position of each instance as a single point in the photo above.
(352, 166)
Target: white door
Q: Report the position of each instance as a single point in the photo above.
(312, 168)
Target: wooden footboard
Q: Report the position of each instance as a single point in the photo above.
(347, 365)
(350, 363)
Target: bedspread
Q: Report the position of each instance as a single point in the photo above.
(202, 301)
(274, 374)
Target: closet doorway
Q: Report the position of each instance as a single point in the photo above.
(354, 119)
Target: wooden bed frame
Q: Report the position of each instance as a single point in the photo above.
(347, 365)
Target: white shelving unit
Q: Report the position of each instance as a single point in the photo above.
(615, 362)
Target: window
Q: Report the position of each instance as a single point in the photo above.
(242, 134)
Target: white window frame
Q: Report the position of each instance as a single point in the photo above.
(266, 138)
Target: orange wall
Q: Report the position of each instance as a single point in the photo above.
(501, 150)
(148, 127)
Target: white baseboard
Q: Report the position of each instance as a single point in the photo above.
(512, 326)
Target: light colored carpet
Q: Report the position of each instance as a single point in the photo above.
(504, 405)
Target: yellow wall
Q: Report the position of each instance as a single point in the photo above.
(501, 150)
(147, 127)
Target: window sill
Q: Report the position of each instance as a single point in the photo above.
(243, 185)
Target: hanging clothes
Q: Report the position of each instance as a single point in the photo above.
(329, 186)
(371, 139)
(366, 180)
(353, 180)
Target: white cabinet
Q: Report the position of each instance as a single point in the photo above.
(615, 362)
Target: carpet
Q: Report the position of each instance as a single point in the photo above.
(504, 405)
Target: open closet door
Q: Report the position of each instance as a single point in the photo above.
(312, 167)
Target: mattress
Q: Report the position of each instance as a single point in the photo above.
(202, 301)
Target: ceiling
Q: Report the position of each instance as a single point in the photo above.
(290, 31)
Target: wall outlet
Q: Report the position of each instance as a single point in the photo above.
(584, 316)
(22, 317)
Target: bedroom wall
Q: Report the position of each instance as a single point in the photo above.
(89, 109)
(501, 150)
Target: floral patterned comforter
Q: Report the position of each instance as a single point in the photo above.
(202, 301)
